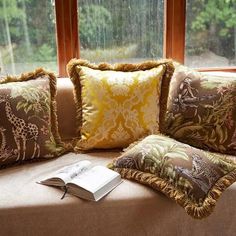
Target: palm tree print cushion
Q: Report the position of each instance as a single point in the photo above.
(28, 123)
(192, 177)
(201, 110)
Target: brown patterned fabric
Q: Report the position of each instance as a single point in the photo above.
(117, 104)
(192, 177)
(28, 122)
(201, 110)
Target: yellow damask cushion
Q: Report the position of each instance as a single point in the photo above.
(118, 104)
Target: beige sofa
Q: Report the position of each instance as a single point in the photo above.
(27, 208)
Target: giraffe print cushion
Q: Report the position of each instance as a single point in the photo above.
(28, 128)
(192, 177)
(201, 110)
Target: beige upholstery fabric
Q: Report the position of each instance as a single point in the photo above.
(66, 109)
(27, 208)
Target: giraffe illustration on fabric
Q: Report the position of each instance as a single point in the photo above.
(22, 131)
(3, 139)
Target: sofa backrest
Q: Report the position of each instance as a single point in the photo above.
(66, 109)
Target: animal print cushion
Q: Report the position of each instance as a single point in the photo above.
(28, 124)
(201, 110)
(192, 177)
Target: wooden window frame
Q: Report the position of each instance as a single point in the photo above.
(66, 33)
(174, 36)
(68, 45)
(174, 33)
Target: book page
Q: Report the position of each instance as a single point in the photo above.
(67, 173)
(95, 178)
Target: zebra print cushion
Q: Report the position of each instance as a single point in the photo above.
(201, 110)
(28, 124)
(192, 177)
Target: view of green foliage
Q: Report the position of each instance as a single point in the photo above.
(118, 24)
(95, 25)
(212, 26)
(27, 32)
(112, 29)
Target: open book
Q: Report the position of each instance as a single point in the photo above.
(83, 180)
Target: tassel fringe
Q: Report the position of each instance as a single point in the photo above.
(194, 210)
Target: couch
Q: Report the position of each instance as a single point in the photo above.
(27, 208)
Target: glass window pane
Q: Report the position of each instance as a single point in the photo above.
(27, 38)
(119, 31)
(211, 33)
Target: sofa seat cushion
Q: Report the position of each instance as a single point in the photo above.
(27, 208)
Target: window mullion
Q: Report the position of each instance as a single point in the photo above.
(174, 35)
(67, 33)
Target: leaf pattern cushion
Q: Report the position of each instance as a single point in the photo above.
(118, 104)
(28, 123)
(192, 177)
(201, 110)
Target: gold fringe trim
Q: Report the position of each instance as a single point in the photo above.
(194, 210)
(165, 86)
(74, 76)
(53, 90)
(125, 67)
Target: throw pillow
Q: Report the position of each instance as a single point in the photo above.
(28, 123)
(201, 110)
(192, 177)
(118, 104)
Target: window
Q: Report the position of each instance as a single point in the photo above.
(202, 32)
(120, 31)
(211, 33)
(27, 38)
